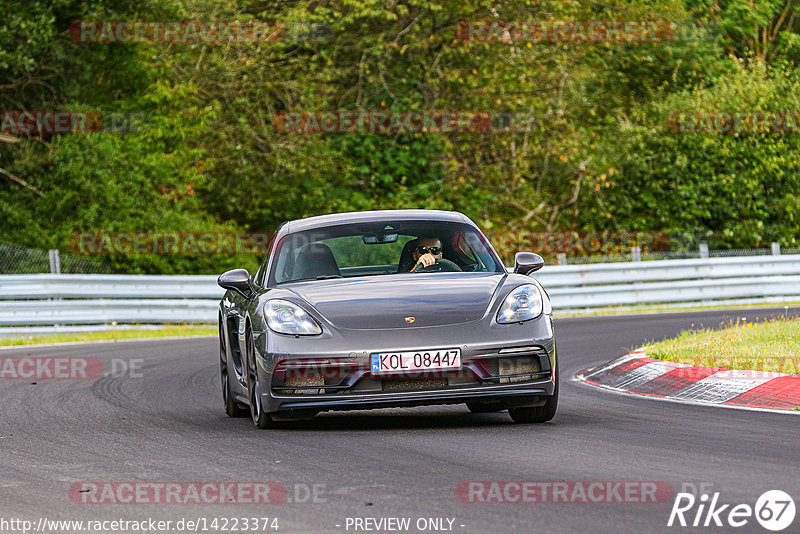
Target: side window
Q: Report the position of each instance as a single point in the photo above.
(261, 275)
(462, 247)
(285, 254)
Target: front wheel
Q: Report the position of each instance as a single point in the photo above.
(254, 388)
(537, 414)
(232, 408)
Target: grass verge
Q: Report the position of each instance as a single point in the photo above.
(772, 345)
(111, 335)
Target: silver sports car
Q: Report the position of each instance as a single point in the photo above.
(386, 309)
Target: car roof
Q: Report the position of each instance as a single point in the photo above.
(333, 219)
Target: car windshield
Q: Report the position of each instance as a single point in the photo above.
(383, 248)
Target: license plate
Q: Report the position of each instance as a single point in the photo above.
(424, 360)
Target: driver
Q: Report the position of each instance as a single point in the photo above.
(429, 249)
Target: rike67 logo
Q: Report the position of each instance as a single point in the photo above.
(774, 510)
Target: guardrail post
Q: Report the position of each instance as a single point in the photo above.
(776, 249)
(636, 254)
(704, 250)
(55, 261)
(562, 258)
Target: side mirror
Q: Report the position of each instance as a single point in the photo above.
(527, 262)
(237, 280)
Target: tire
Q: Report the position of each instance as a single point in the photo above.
(537, 414)
(232, 408)
(260, 418)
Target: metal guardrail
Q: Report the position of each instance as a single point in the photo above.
(695, 282)
(46, 299)
(72, 299)
(108, 286)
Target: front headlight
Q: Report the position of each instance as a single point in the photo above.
(284, 317)
(522, 304)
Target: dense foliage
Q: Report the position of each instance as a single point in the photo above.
(590, 147)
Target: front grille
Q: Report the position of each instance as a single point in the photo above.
(503, 366)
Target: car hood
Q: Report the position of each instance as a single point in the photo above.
(391, 301)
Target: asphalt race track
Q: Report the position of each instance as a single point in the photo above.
(165, 423)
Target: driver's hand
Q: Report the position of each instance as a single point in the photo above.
(426, 260)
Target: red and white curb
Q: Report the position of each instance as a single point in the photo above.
(641, 375)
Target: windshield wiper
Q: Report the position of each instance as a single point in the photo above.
(328, 276)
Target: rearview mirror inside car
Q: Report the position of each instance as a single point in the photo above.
(375, 239)
(527, 262)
